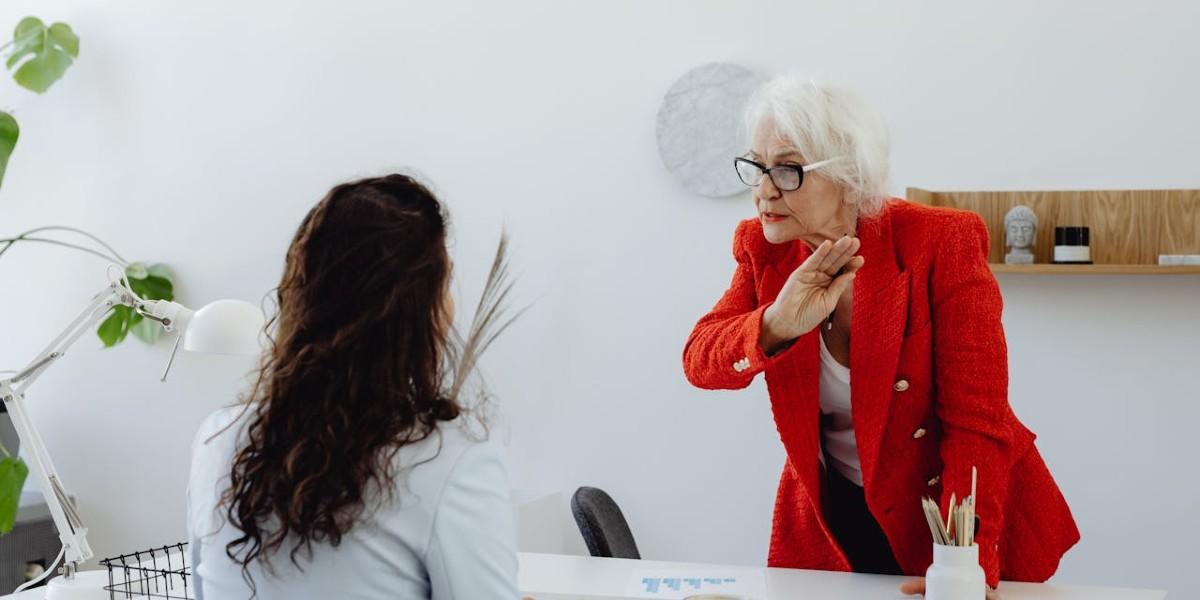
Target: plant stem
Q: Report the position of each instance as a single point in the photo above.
(80, 232)
(23, 238)
(4, 448)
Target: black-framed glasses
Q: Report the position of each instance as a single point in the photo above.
(787, 178)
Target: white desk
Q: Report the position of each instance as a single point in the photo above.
(559, 577)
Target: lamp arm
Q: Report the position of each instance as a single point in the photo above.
(71, 529)
(101, 303)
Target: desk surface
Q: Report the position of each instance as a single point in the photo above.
(561, 577)
(555, 577)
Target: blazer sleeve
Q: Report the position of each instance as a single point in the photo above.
(472, 553)
(971, 373)
(722, 352)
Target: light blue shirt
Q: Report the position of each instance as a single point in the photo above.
(448, 534)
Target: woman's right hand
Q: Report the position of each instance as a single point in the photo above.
(810, 293)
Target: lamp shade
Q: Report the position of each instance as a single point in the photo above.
(225, 327)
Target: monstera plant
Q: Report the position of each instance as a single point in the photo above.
(38, 56)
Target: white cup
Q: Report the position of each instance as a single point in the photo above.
(955, 574)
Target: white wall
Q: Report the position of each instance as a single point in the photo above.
(198, 134)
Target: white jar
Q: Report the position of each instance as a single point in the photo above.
(955, 574)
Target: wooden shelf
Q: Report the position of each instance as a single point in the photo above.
(1129, 228)
(1052, 269)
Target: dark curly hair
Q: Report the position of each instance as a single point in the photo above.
(354, 372)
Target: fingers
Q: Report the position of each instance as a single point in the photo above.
(835, 250)
(843, 250)
(853, 264)
(913, 588)
(831, 257)
(814, 260)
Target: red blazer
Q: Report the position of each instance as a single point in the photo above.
(929, 386)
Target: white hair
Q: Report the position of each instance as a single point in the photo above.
(823, 121)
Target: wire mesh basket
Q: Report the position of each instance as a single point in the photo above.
(155, 573)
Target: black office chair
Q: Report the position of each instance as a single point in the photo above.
(602, 525)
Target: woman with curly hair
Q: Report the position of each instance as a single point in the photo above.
(348, 473)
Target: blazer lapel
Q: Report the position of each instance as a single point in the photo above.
(793, 386)
(876, 332)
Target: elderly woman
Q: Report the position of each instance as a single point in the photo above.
(877, 325)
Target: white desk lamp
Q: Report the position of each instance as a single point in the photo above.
(222, 327)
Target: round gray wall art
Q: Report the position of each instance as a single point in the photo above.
(700, 127)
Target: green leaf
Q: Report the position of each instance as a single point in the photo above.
(13, 472)
(28, 38)
(61, 34)
(40, 72)
(112, 331)
(50, 51)
(153, 287)
(9, 132)
(162, 270)
(148, 331)
(136, 270)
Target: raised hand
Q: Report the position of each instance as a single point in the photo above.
(810, 293)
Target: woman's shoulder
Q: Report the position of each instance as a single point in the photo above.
(751, 245)
(223, 417)
(906, 214)
(451, 443)
(926, 236)
(748, 235)
(430, 461)
(450, 458)
(225, 423)
(455, 436)
(913, 221)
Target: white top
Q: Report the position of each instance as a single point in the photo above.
(448, 535)
(837, 430)
(558, 577)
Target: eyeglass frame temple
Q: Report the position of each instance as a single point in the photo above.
(803, 168)
(821, 163)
